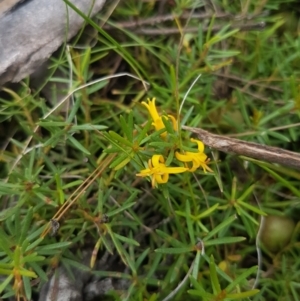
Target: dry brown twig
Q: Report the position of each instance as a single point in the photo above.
(184, 16)
(194, 29)
(248, 149)
(145, 26)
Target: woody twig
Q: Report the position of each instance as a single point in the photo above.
(248, 149)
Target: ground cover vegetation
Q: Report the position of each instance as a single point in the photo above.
(110, 168)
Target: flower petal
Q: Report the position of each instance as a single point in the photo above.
(153, 182)
(144, 173)
(150, 164)
(174, 170)
(161, 179)
(194, 166)
(206, 168)
(156, 159)
(151, 108)
(183, 158)
(200, 144)
(158, 124)
(174, 122)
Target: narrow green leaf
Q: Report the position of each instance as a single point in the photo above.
(27, 273)
(242, 295)
(24, 245)
(6, 271)
(130, 125)
(76, 264)
(132, 196)
(39, 271)
(119, 138)
(6, 265)
(17, 256)
(248, 191)
(48, 124)
(58, 245)
(34, 244)
(127, 126)
(10, 189)
(31, 163)
(168, 124)
(96, 87)
(213, 276)
(170, 157)
(282, 180)
(127, 240)
(189, 222)
(55, 138)
(87, 127)
(279, 112)
(244, 213)
(220, 36)
(161, 144)
(123, 163)
(197, 285)
(118, 210)
(32, 257)
(107, 244)
(187, 116)
(174, 250)
(218, 228)
(206, 296)
(279, 136)
(75, 183)
(167, 238)
(118, 160)
(153, 268)
(26, 224)
(78, 145)
(5, 244)
(207, 212)
(196, 266)
(74, 110)
(223, 240)
(85, 62)
(143, 133)
(176, 268)
(252, 208)
(27, 287)
(239, 279)
(121, 251)
(153, 136)
(17, 224)
(141, 258)
(5, 283)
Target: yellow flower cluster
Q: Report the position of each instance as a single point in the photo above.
(157, 120)
(157, 169)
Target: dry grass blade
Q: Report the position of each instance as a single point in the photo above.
(248, 149)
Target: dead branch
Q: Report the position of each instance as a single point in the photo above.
(248, 149)
(193, 29)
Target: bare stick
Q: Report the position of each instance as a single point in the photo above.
(248, 149)
(186, 15)
(194, 29)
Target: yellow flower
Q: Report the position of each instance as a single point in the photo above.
(159, 171)
(198, 159)
(157, 120)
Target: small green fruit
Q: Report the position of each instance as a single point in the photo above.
(276, 232)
